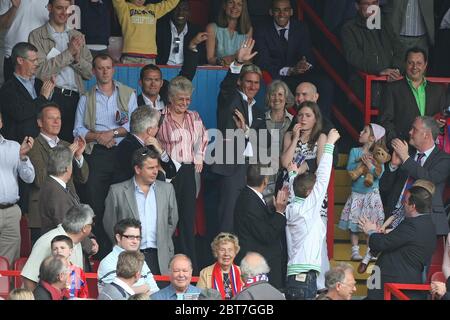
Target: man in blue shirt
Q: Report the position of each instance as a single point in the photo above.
(180, 287)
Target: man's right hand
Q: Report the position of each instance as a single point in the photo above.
(47, 88)
(75, 45)
(393, 74)
(106, 138)
(15, 3)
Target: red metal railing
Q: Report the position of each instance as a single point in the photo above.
(394, 289)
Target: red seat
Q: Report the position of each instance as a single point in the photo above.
(18, 266)
(4, 280)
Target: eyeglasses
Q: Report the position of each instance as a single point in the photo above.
(177, 42)
(130, 237)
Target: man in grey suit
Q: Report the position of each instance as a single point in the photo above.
(150, 201)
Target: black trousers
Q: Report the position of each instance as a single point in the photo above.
(68, 105)
(185, 190)
(8, 69)
(151, 258)
(101, 172)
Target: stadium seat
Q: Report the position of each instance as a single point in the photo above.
(18, 266)
(4, 281)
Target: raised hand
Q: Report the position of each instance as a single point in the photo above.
(25, 147)
(296, 131)
(244, 53)
(333, 136)
(280, 202)
(47, 88)
(152, 141)
(239, 119)
(15, 3)
(401, 148)
(199, 38)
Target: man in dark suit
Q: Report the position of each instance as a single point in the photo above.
(22, 95)
(150, 201)
(285, 51)
(407, 250)
(427, 162)
(237, 110)
(403, 100)
(143, 128)
(155, 88)
(174, 33)
(49, 122)
(258, 227)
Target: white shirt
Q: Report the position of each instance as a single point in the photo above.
(30, 15)
(259, 194)
(158, 105)
(62, 183)
(177, 58)
(53, 143)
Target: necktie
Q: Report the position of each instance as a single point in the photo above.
(282, 34)
(411, 180)
(227, 286)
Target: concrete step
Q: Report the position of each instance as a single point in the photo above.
(341, 178)
(341, 194)
(337, 212)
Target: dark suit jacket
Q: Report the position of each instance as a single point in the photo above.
(54, 202)
(271, 56)
(164, 40)
(259, 229)
(399, 107)
(187, 70)
(39, 155)
(19, 109)
(124, 153)
(435, 169)
(230, 99)
(404, 252)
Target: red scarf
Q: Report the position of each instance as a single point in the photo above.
(57, 294)
(235, 277)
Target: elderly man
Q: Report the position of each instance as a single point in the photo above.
(103, 120)
(128, 272)
(184, 137)
(425, 162)
(22, 96)
(53, 276)
(62, 52)
(49, 122)
(77, 225)
(13, 163)
(340, 283)
(180, 287)
(152, 202)
(144, 126)
(406, 251)
(254, 270)
(127, 235)
(404, 100)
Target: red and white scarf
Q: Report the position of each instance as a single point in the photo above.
(235, 277)
(258, 278)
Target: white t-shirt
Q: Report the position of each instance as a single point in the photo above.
(30, 15)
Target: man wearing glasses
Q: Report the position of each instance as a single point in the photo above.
(127, 233)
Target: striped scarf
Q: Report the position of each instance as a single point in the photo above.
(217, 280)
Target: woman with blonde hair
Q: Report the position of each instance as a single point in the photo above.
(21, 294)
(224, 275)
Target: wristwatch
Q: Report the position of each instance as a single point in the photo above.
(116, 133)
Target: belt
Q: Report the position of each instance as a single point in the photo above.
(66, 92)
(6, 205)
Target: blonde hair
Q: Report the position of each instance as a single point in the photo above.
(278, 84)
(21, 294)
(224, 237)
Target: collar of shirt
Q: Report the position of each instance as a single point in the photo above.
(52, 143)
(244, 96)
(278, 28)
(125, 286)
(426, 152)
(2, 139)
(287, 115)
(158, 105)
(52, 30)
(175, 31)
(138, 189)
(62, 183)
(259, 194)
(424, 83)
(140, 140)
(20, 78)
(116, 86)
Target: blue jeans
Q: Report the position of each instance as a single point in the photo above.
(297, 289)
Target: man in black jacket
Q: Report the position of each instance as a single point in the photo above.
(407, 250)
(23, 94)
(155, 88)
(174, 33)
(143, 128)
